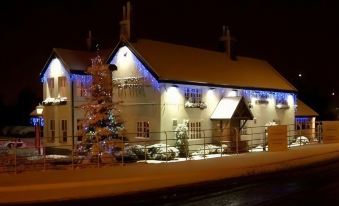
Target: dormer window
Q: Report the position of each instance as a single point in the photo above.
(62, 86)
(50, 84)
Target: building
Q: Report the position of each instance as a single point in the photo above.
(305, 120)
(163, 84)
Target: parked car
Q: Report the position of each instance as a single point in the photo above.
(14, 143)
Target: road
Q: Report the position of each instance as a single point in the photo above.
(312, 185)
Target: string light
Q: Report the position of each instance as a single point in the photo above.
(37, 121)
(280, 97)
(84, 79)
(143, 71)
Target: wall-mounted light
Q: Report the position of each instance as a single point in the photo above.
(233, 93)
(174, 85)
(212, 88)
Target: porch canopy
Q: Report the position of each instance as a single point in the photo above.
(232, 108)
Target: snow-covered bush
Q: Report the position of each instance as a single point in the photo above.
(182, 139)
(158, 152)
(211, 149)
(302, 140)
(137, 150)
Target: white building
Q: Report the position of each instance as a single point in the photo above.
(162, 85)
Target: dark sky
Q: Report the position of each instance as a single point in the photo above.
(294, 36)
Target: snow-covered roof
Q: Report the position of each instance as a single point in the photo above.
(304, 110)
(231, 107)
(75, 61)
(183, 64)
(173, 62)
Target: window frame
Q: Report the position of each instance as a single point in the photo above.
(63, 131)
(194, 130)
(51, 128)
(143, 129)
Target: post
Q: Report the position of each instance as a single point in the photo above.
(98, 155)
(236, 140)
(145, 152)
(204, 144)
(15, 169)
(166, 146)
(37, 135)
(251, 138)
(300, 140)
(72, 159)
(123, 151)
(72, 108)
(44, 154)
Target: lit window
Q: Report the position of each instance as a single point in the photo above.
(51, 137)
(143, 129)
(194, 130)
(82, 88)
(63, 137)
(62, 86)
(193, 95)
(79, 128)
(50, 84)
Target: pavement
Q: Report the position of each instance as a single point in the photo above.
(55, 185)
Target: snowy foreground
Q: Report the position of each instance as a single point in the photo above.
(109, 181)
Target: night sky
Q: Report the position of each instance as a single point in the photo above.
(294, 36)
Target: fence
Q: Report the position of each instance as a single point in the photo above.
(159, 147)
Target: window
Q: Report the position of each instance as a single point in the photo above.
(82, 88)
(143, 129)
(51, 136)
(50, 84)
(193, 95)
(79, 128)
(62, 86)
(63, 137)
(194, 130)
(243, 130)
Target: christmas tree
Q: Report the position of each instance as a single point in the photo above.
(102, 120)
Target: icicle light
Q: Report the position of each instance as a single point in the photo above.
(85, 79)
(278, 96)
(139, 65)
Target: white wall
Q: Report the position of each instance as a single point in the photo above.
(140, 102)
(265, 113)
(56, 112)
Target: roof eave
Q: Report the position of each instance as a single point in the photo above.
(124, 42)
(54, 54)
(225, 85)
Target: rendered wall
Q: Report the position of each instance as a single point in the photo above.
(55, 111)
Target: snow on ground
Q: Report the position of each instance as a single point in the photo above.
(180, 159)
(108, 181)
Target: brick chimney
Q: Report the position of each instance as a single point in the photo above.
(125, 23)
(228, 43)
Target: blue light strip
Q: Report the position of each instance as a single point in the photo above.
(141, 69)
(37, 121)
(302, 119)
(278, 96)
(145, 73)
(85, 79)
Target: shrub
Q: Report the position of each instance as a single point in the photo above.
(158, 152)
(182, 139)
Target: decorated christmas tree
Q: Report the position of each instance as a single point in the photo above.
(102, 120)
